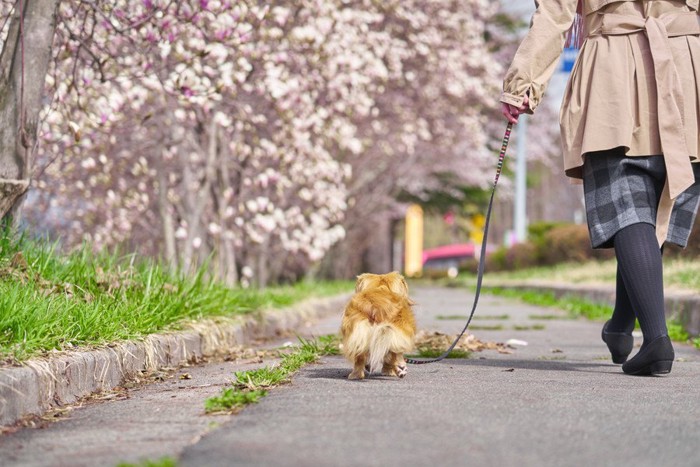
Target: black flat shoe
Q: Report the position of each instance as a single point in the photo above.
(654, 358)
(619, 344)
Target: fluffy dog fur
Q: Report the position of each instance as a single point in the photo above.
(378, 325)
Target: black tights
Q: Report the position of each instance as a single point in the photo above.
(640, 287)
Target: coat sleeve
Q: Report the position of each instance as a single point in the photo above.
(538, 54)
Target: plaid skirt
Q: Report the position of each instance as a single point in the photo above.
(621, 191)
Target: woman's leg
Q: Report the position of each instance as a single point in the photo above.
(623, 317)
(639, 259)
(621, 196)
(617, 332)
(639, 263)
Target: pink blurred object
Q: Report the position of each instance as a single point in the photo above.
(456, 250)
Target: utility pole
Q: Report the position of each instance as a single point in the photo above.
(520, 211)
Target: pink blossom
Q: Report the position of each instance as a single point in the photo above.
(299, 117)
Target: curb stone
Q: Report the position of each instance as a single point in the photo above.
(683, 307)
(44, 383)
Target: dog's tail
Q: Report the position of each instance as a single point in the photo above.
(386, 338)
(376, 340)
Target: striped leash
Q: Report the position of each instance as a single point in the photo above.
(482, 257)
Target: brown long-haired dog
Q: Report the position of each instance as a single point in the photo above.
(378, 325)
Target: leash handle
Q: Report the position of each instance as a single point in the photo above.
(482, 257)
(502, 155)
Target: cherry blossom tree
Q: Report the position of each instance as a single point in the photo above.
(432, 123)
(253, 136)
(26, 33)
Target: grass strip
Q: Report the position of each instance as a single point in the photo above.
(574, 306)
(451, 317)
(525, 327)
(547, 317)
(486, 327)
(577, 307)
(491, 317)
(252, 385)
(475, 317)
(50, 301)
(677, 332)
(232, 399)
(164, 462)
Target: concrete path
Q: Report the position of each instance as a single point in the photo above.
(558, 401)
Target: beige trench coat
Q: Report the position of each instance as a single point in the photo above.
(634, 84)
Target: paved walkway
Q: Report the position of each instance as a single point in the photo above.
(558, 401)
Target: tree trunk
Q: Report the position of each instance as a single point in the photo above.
(227, 252)
(167, 219)
(195, 202)
(262, 271)
(21, 93)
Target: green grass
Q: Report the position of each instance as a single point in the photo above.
(494, 317)
(575, 307)
(679, 274)
(534, 327)
(452, 317)
(50, 301)
(232, 398)
(486, 327)
(546, 317)
(676, 332)
(590, 272)
(164, 462)
(327, 345)
(252, 385)
(477, 317)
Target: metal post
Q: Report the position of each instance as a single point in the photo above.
(413, 262)
(520, 211)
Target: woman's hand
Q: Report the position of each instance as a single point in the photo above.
(512, 113)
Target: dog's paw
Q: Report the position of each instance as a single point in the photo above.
(401, 370)
(357, 375)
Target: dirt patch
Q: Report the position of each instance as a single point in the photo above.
(435, 340)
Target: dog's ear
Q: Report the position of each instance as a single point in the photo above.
(361, 282)
(404, 285)
(396, 283)
(399, 284)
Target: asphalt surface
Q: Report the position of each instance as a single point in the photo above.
(557, 401)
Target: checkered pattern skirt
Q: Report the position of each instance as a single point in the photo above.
(621, 191)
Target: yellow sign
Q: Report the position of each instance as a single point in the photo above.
(414, 241)
(476, 233)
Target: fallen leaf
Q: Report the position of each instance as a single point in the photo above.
(438, 341)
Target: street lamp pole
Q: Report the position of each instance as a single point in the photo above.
(520, 211)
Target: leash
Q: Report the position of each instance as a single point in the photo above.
(482, 257)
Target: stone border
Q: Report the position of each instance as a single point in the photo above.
(683, 307)
(45, 383)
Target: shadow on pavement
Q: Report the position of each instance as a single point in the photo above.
(342, 373)
(327, 373)
(544, 365)
(603, 367)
